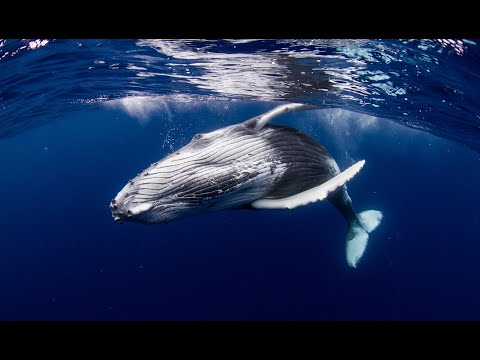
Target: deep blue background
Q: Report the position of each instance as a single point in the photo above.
(63, 257)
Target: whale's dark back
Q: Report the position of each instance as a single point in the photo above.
(309, 163)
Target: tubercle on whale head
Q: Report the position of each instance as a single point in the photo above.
(123, 206)
(124, 210)
(146, 197)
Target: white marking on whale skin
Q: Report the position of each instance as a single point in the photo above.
(143, 207)
(317, 193)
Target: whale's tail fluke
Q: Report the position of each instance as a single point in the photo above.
(358, 232)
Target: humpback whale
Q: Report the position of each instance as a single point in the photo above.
(250, 165)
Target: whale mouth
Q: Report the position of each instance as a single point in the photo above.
(116, 213)
(126, 212)
(118, 219)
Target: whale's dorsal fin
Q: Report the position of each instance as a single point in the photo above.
(258, 122)
(317, 193)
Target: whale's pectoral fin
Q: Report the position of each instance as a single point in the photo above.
(317, 193)
(258, 122)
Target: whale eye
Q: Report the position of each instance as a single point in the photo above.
(197, 137)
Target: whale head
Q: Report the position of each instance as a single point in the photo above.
(188, 181)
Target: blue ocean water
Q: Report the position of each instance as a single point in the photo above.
(78, 118)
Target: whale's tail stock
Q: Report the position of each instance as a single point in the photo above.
(359, 225)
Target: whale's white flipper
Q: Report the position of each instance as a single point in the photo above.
(258, 122)
(317, 193)
(357, 235)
